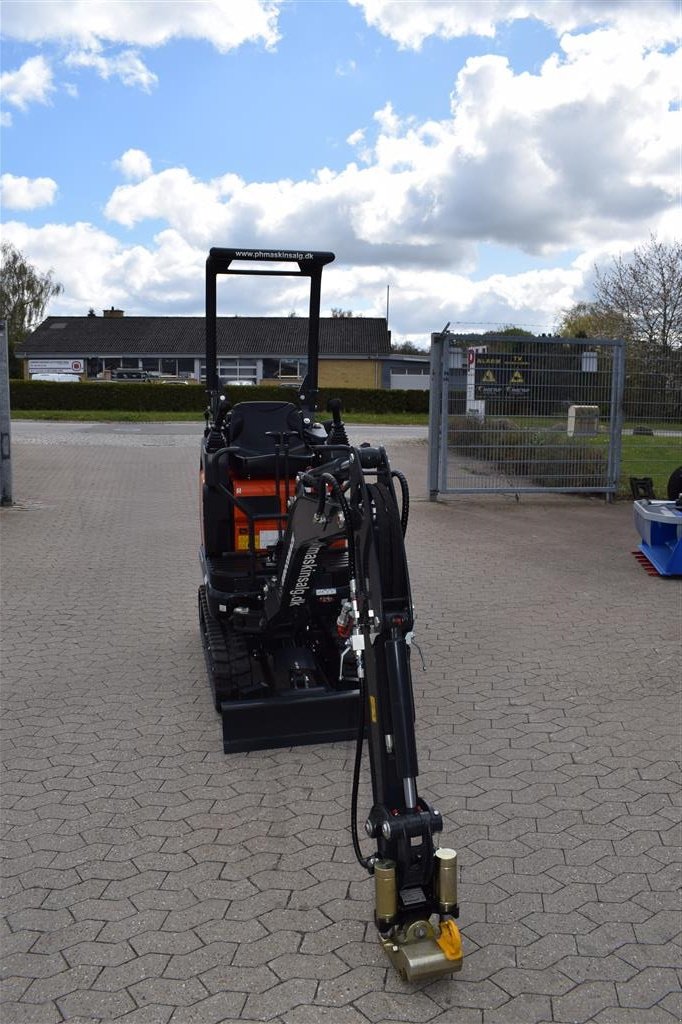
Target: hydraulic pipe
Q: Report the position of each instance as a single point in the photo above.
(402, 715)
(446, 861)
(410, 791)
(385, 891)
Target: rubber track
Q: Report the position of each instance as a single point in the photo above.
(226, 653)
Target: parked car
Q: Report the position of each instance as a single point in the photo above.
(122, 374)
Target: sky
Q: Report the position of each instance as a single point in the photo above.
(467, 161)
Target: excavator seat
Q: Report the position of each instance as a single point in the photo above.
(258, 433)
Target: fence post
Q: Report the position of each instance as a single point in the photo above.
(615, 439)
(435, 391)
(5, 430)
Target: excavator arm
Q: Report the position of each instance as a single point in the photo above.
(352, 499)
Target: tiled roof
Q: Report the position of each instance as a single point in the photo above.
(79, 336)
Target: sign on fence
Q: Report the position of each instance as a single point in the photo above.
(500, 374)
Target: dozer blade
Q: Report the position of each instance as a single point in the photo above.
(290, 720)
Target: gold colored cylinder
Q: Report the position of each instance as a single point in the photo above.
(447, 879)
(385, 892)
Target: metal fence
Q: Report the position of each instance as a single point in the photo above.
(522, 414)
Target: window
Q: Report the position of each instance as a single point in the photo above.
(150, 365)
(295, 368)
(229, 370)
(286, 370)
(169, 367)
(111, 364)
(130, 364)
(185, 366)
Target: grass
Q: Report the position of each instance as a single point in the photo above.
(106, 416)
(656, 457)
(118, 416)
(550, 422)
(547, 457)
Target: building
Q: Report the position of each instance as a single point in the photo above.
(354, 351)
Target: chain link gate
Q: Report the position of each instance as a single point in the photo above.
(511, 414)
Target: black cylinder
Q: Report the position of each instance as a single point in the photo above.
(402, 707)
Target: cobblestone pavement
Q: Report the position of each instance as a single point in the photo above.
(148, 878)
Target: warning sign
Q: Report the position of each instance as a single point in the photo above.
(501, 375)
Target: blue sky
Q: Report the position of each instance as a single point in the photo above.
(478, 158)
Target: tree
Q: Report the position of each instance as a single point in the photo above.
(589, 320)
(338, 313)
(24, 296)
(407, 348)
(638, 298)
(511, 331)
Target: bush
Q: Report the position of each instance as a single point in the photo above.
(547, 459)
(150, 397)
(569, 463)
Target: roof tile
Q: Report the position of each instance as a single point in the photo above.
(184, 336)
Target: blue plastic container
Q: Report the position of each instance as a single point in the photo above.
(659, 524)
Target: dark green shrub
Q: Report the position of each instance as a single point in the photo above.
(543, 456)
(152, 397)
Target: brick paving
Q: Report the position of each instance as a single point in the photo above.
(149, 878)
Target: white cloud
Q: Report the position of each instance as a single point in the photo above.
(167, 278)
(409, 24)
(387, 119)
(134, 165)
(106, 35)
(79, 254)
(126, 65)
(31, 83)
(19, 193)
(97, 270)
(543, 162)
(223, 23)
(345, 68)
(581, 156)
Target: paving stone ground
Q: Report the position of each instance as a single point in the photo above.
(149, 878)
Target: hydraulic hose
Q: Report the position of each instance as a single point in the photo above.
(320, 483)
(364, 862)
(405, 495)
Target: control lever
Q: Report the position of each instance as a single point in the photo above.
(337, 432)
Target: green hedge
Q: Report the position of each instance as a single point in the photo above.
(149, 397)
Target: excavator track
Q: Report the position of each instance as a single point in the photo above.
(227, 656)
(256, 718)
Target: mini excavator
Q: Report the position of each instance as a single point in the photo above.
(306, 616)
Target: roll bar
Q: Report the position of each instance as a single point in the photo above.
(310, 264)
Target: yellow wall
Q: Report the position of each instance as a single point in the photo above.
(349, 373)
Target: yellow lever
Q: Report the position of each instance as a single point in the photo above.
(450, 940)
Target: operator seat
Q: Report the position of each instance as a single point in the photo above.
(252, 439)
